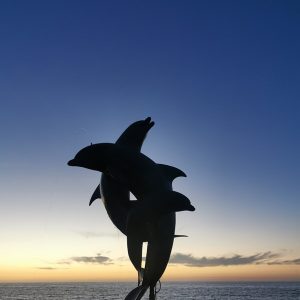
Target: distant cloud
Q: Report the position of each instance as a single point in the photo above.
(266, 258)
(98, 259)
(285, 262)
(259, 258)
(123, 258)
(51, 268)
(63, 262)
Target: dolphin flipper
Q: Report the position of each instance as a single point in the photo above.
(171, 172)
(137, 293)
(96, 195)
(180, 235)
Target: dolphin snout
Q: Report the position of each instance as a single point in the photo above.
(191, 208)
(72, 162)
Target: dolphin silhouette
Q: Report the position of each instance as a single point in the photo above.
(160, 239)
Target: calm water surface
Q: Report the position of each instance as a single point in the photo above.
(170, 290)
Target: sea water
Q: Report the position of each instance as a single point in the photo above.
(169, 290)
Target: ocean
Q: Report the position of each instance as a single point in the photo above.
(169, 290)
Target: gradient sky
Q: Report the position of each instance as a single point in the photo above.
(221, 81)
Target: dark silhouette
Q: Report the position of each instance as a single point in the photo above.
(152, 217)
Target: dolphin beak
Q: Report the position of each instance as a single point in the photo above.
(191, 208)
(72, 163)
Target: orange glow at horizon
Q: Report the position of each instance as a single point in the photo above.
(75, 273)
(173, 273)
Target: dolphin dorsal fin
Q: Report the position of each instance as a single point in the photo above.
(96, 195)
(171, 172)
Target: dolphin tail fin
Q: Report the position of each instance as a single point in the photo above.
(96, 195)
(137, 293)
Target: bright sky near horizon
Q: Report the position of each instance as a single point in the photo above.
(221, 81)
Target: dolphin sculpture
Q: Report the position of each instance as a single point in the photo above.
(160, 233)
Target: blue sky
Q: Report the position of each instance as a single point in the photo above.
(219, 78)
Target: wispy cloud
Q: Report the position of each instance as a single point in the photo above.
(266, 258)
(234, 260)
(285, 262)
(97, 259)
(46, 268)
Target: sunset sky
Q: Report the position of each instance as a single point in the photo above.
(221, 81)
